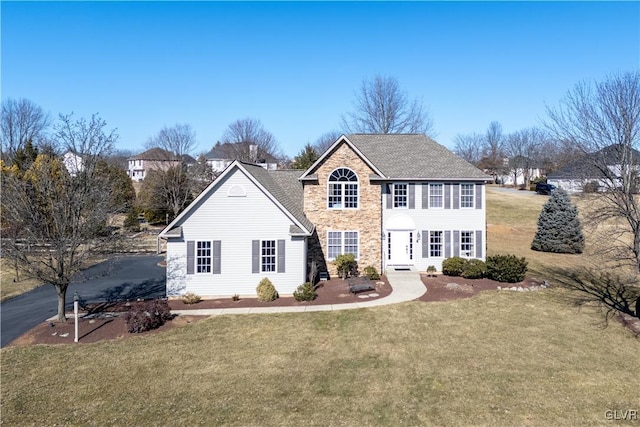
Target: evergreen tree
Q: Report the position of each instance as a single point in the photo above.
(559, 228)
(305, 158)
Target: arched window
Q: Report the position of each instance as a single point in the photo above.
(343, 189)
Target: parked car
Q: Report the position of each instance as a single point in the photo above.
(544, 188)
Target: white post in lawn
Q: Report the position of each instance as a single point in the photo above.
(75, 312)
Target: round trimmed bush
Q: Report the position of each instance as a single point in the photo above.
(475, 269)
(506, 268)
(266, 291)
(305, 292)
(371, 273)
(453, 266)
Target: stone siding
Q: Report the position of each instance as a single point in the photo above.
(367, 219)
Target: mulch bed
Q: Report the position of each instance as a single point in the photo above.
(441, 288)
(103, 325)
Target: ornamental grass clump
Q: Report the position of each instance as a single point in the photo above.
(266, 291)
(146, 315)
(191, 298)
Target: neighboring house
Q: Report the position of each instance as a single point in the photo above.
(222, 155)
(394, 201)
(73, 162)
(602, 168)
(154, 159)
(515, 172)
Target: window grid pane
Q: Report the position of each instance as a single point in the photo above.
(466, 244)
(343, 189)
(268, 259)
(335, 195)
(203, 257)
(351, 196)
(466, 195)
(435, 195)
(335, 244)
(351, 243)
(435, 244)
(400, 195)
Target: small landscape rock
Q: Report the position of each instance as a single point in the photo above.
(66, 334)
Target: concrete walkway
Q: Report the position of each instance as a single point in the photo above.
(406, 286)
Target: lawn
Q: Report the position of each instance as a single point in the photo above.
(500, 358)
(12, 285)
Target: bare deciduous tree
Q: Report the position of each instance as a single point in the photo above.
(523, 149)
(169, 185)
(325, 140)
(53, 223)
(242, 135)
(493, 155)
(381, 106)
(603, 121)
(22, 121)
(469, 147)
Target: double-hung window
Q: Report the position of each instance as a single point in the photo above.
(466, 195)
(203, 257)
(400, 192)
(342, 192)
(466, 244)
(268, 255)
(435, 244)
(342, 242)
(436, 193)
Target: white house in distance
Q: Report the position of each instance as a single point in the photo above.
(73, 162)
(222, 155)
(394, 201)
(154, 158)
(574, 176)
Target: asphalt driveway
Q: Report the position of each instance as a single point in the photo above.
(119, 278)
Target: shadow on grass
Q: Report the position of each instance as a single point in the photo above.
(614, 293)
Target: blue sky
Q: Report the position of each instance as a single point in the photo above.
(295, 66)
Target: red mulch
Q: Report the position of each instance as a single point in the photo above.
(105, 326)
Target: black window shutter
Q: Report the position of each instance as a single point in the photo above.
(281, 256)
(191, 258)
(447, 196)
(216, 261)
(456, 196)
(425, 195)
(479, 188)
(447, 244)
(456, 243)
(425, 244)
(255, 256)
(412, 195)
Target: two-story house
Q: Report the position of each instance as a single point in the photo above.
(154, 159)
(394, 201)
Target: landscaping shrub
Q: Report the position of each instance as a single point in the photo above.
(506, 268)
(146, 315)
(475, 269)
(191, 298)
(591, 187)
(346, 265)
(235, 297)
(371, 273)
(305, 292)
(432, 270)
(266, 291)
(453, 266)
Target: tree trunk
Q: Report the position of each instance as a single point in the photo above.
(62, 293)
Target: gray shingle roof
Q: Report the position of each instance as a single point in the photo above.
(413, 156)
(586, 167)
(285, 187)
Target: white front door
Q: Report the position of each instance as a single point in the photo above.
(400, 247)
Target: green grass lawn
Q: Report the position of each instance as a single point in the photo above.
(500, 358)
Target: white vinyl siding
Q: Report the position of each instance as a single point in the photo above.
(232, 221)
